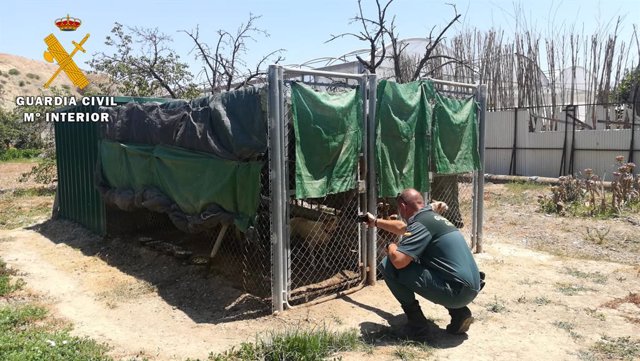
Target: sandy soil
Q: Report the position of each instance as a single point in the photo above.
(146, 304)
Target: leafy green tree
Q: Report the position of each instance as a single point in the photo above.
(626, 89)
(143, 64)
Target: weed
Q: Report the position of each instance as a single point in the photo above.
(570, 289)
(522, 299)
(14, 71)
(595, 277)
(34, 192)
(21, 83)
(497, 306)
(541, 301)
(6, 286)
(620, 348)
(587, 196)
(294, 345)
(567, 326)
(33, 76)
(412, 351)
(595, 314)
(597, 235)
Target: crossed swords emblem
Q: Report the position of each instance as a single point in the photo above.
(55, 51)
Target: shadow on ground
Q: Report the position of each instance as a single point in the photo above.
(203, 295)
(382, 335)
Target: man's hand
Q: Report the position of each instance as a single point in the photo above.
(371, 219)
(439, 207)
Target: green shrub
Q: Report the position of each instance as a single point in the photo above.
(15, 154)
(14, 71)
(33, 76)
(21, 83)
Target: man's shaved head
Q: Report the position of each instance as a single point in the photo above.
(413, 201)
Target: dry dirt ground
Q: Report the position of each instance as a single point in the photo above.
(558, 304)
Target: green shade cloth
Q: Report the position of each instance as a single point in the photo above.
(455, 135)
(403, 117)
(192, 180)
(328, 134)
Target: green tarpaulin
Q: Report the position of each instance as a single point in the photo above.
(403, 117)
(190, 179)
(328, 136)
(455, 135)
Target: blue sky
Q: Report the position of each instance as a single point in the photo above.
(300, 27)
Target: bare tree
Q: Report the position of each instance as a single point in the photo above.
(223, 64)
(432, 45)
(374, 32)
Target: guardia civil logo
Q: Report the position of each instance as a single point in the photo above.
(56, 52)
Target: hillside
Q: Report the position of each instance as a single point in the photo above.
(23, 76)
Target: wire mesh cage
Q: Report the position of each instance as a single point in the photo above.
(243, 258)
(325, 239)
(458, 191)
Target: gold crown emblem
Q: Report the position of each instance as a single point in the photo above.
(68, 23)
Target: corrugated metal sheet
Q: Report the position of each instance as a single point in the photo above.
(540, 152)
(76, 155)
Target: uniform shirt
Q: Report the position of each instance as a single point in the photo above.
(434, 242)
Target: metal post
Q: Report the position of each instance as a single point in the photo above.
(362, 177)
(372, 192)
(482, 99)
(514, 152)
(284, 191)
(275, 178)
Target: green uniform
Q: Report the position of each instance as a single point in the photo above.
(443, 269)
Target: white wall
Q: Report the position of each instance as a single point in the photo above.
(540, 152)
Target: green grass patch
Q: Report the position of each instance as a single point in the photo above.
(14, 154)
(34, 192)
(520, 187)
(307, 345)
(26, 333)
(595, 277)
(609, 348)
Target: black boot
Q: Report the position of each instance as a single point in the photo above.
(416, 322)
(461, 319)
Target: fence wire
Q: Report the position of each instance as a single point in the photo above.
(324, 235)
(244, 259)
(457, 190)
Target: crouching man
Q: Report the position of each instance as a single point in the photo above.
(431, 259)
